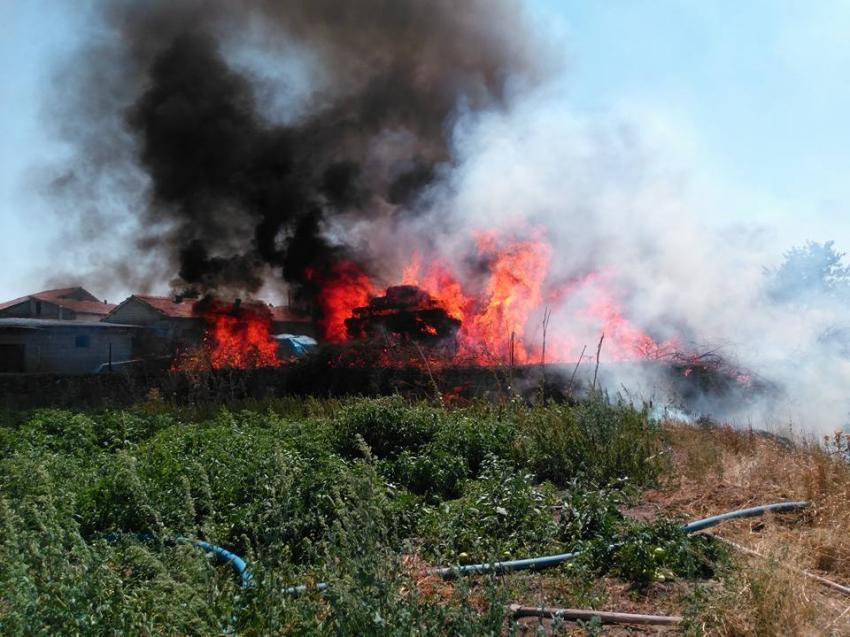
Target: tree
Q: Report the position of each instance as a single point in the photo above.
(814, 271)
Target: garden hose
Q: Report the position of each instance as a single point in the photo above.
(241, 567)
(547, 561)
(777, 507)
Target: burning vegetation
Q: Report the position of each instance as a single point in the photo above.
(324, 191)
(488, 314)
(406, 312)
(334, 184)
(238, 335)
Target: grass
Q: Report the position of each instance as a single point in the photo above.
(718, 468)
(366, 493)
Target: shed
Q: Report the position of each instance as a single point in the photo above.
(173, 324)
(65, 304)
(61, 346)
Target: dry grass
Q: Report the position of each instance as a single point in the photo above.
(719, 469)
(762, 597)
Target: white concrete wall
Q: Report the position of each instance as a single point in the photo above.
(54, 350)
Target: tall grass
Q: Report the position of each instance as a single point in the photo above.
(347, 492)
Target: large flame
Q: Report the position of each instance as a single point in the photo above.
(345, 288)
(502, 307)
(242, 340)
(237, 336)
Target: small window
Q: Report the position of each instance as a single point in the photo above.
(83, 340)
(38, 308)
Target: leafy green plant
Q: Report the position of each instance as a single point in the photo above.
(389, 426)
(588, 514)
(500, 515)
(360, 493)
(598, 441)
(656, 551)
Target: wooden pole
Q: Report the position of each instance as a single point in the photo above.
(511, 367)
(607, 617)
(596, 371)
(572, 377)
(546, 315)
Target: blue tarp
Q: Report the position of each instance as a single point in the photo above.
(296, 345)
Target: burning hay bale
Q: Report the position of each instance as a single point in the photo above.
(406, 313)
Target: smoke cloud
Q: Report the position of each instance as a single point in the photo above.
(612, 201)
(232, 144)
(240, 176)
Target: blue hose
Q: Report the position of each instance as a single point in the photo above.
(777, 507)
(239, 565)
(547, 561)
(504, 567)
(553, 560)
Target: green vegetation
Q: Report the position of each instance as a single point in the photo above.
(361, 494)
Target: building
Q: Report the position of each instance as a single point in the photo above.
(172, 324)
(68, 331)
(64, 304)
(29, 345)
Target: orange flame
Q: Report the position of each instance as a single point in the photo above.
(241, 341)
(501, 319)
(236, 337)
(346, 288)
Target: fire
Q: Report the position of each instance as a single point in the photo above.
(238, 336)
(501, 304)
(347, 287)
(241, 339)
(513, 292)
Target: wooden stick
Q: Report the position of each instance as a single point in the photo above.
(572, 377)
(437, 393)
(547, 313)
(596, 371)
(511, 368)
(606, 617)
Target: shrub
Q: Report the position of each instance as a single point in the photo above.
(501, 514)
(598, 441)
(55, 582)
(436, 474)
(647, 552)
(474, 435)
(388, 425)
(588, 514)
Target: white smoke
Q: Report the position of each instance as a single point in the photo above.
(612, 194)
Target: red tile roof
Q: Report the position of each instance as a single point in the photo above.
(88, 305)
(185, 308)
(167, 305)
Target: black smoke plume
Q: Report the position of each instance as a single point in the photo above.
(231, 190)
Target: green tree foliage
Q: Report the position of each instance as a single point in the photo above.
(811, 272)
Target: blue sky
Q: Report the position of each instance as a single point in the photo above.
(751, 97)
